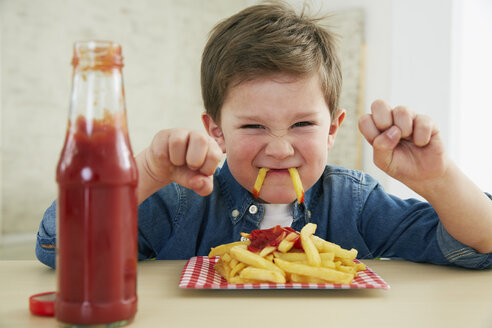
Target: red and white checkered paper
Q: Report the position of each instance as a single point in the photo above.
(199, 273)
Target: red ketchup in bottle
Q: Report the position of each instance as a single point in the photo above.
(97, 202)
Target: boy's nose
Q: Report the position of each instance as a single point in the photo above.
(279, 148)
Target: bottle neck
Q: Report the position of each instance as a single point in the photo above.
(97, 148)
(98, 96)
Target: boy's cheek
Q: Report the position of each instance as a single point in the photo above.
(242, 149)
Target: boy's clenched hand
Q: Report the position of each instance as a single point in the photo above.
(407, 146)
(188, 158)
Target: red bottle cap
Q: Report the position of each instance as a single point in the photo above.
(43, 304)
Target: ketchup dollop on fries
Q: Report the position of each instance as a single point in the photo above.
(272, 237)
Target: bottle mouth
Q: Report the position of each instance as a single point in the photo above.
(95, 53)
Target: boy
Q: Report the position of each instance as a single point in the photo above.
(270, 83)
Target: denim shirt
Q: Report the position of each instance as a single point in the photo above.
(349, 207)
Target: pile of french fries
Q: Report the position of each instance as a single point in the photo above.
(318, 261)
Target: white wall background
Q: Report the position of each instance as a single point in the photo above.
(432, 55)
(472, 88)
(162, 43)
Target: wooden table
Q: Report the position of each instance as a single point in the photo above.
(421, 295)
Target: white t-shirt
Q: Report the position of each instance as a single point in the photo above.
(277, 214)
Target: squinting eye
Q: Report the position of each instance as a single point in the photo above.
(301, 124)
(252, 126)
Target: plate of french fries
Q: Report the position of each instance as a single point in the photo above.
(279, 258)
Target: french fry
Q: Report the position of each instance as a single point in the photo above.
(239, 280)
(291, 257)
(245, 235)
(223, 249)
(236, 269)
(302, 257)
(293, 236)
(327, 263)
(330, 275)
(306, 279)
(219, 267)
(253, 273)
(360, 266)
(288, 242)
(346, 262)
(250, 258)
(285, 246)
(311, 251)
(267, 250)
(226, 258)
(259, 181)
(327, 257)
(233, 262)
(327, 247)
(296, 180)
(223, 268)
(344, 268)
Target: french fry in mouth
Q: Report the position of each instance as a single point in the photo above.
(296, 180)
(259, 181)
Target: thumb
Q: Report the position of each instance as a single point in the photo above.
(198, 182)
(201, 184)
(383, 145)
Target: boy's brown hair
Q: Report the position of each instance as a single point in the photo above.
(264, 39)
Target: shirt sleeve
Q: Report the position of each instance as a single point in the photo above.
(411, 229)
(46, 237)
(398, 228)
(460, 254)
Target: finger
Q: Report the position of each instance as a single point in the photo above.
(213, 158)
(197, 150)
(178, 144)
(368, 128)
(202, 185)
(381, 115)
(194, 180)
(423, 130)
(159, 148)
(383, 145)
(403, 118)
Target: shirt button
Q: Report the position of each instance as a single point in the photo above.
(253, 209)
(235, 213)
(309, 214)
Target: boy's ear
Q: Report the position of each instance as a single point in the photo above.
(214, 130)
(335, 125)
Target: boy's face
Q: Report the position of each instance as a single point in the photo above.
(278, 121)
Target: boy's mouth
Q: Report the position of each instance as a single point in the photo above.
(294, 174)
(278, 171)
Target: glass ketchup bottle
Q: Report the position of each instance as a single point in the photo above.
(96, 259)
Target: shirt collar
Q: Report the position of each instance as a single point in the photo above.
(237, 198)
